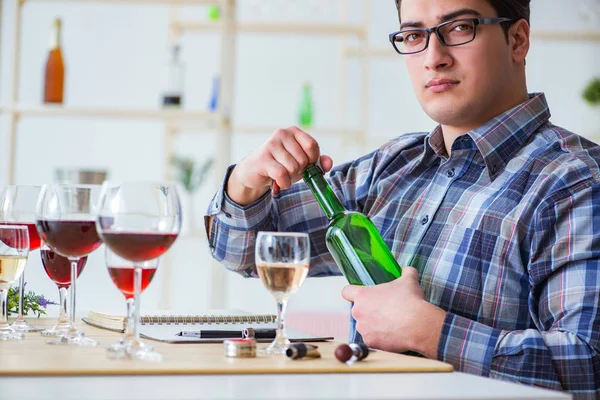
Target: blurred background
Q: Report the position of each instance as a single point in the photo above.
(324, 64)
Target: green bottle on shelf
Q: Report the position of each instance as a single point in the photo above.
(352, 239)
(305, 114)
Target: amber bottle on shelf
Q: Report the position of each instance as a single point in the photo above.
(54, 80)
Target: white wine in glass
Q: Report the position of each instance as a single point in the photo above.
(282, 260)
(14, 249)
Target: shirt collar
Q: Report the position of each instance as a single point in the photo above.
(499, 139)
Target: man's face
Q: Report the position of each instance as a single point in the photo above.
(463, 85)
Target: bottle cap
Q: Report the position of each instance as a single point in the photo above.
(240, 348)
(318, 164)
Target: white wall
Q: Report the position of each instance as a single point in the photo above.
(116, 56)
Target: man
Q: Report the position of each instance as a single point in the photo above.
(495, 213)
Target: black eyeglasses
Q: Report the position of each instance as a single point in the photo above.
(451, 33)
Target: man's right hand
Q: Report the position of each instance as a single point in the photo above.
(279, 162)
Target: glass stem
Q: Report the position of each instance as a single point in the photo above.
(62, 303)
(72, 328)
(281, 307)
(4, 310)
(137, 289)
(130, 321)
(21, 296)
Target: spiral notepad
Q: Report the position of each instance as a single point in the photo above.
(117, 322)
(165, 328)
(207, 319)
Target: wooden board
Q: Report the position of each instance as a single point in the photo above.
(32, 356)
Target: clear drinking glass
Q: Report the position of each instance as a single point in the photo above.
(58, 268)
(123, 275)
(139, 222)
(14, 249)
(66, 221)
(17, 207)
(282, 260)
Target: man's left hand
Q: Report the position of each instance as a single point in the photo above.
(395, 316)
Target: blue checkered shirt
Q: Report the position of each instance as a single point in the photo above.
(505, 234)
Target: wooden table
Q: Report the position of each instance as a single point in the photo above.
(31, 369)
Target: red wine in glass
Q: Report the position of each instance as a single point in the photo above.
(70, 237)
(58, 267)
(122, 277)
(138, 246)
(34, 238)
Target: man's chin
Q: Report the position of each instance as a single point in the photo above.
(446, 114)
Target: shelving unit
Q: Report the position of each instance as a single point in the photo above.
(218, 122)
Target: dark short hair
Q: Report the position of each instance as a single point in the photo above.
(513, 9)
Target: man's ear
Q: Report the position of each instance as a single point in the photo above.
(518, 40)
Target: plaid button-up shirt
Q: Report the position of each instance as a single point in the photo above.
(505, 234)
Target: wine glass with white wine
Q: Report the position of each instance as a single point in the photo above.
(282, 260)
(14, 249)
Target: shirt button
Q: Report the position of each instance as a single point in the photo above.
(450, 173)
(425, 219)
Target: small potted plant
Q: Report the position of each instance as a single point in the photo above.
(591, 94)
(190, 175)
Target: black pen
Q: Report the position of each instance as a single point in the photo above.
(227, 334)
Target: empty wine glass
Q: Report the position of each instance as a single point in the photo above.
(14, 249)
(282, 260)
(122, 273)
(66, 221)
(139, 222)
(17, 207)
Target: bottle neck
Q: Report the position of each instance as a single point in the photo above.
(331, 205)
(55, 38)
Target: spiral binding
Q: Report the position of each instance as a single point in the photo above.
(207, 319)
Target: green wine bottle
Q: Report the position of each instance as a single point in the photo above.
(352, 239)
(305, 111)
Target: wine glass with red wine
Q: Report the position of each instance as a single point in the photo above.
(17, 207)
(14, 249)
(66, 221)
(122, 273)
(58, 268)
(282, 260)
(139, 222)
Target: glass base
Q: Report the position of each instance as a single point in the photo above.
(11, 334)
(20, 325)
(134, 349)
(57, 330)
(277, 347)
(77, 338)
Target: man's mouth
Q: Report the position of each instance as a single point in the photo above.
(441, 85)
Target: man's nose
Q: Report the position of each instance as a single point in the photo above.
(437, 56)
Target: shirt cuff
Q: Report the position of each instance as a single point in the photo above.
(236, 216)
(468, 345)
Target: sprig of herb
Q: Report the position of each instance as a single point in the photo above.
(189, 174)
(32, 302)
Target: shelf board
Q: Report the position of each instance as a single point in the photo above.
(281, 28)
(370, 52)
(141, 2)
(117, 113)
(567, 36)
(316, 132)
